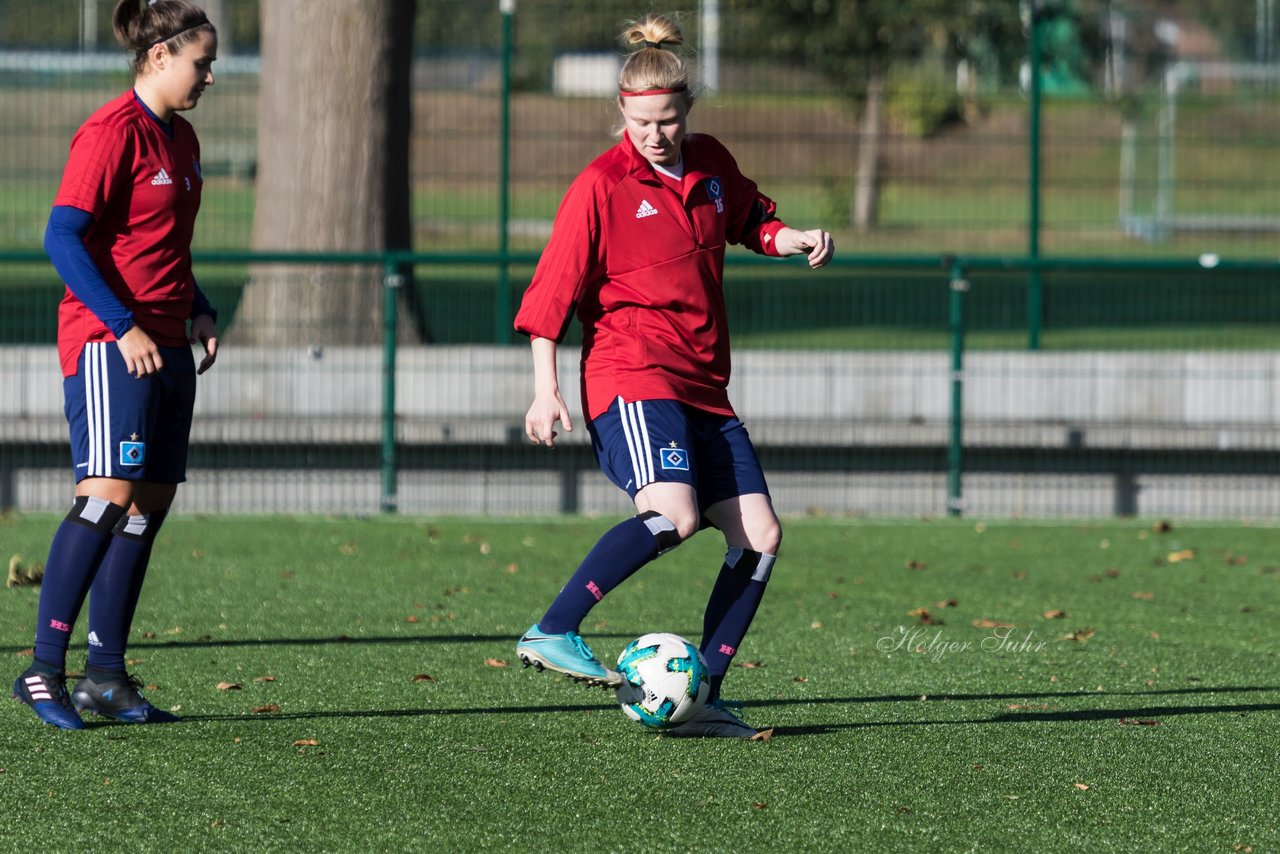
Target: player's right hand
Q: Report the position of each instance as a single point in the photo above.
(544, 412)
(141, 355)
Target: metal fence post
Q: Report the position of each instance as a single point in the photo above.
(502, 301)
(1035, 288)
(392, 282)
(959, 285)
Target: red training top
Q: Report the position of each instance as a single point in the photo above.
(643, 264)
(143, 190)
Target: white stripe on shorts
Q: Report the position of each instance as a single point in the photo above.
(636, 432)
(98, 409)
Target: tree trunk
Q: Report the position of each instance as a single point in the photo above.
(333, 167)
(866, 193)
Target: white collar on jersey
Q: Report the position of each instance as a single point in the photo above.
(676, 171)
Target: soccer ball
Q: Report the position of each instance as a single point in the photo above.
(666, 680)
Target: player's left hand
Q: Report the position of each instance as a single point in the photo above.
(205, 333)
(817, 244)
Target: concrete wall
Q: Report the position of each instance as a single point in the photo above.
(1178, 401)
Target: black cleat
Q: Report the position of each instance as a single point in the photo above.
(120, 699)
(47, 697)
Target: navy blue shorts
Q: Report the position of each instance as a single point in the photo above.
(125, 427)
(664, 441)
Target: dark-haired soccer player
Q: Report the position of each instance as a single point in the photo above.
(637, 249)
(120, 237)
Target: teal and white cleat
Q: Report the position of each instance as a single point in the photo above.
(568, 654)
(714, 720)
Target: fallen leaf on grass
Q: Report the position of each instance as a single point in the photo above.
(1139, 722)
(348, 548)
(23, 574)
(495, 662)
(987, 623)
(917, 565)
(23, 653)
(1084, 787)
(759, 806)
(306, 742)
(423, 677)
(1079, 635)
(946, 603)
(749, 665)
(1179, 556)
(800, 679)
(924, 618)
(1029, 706)
(264, 679)
(229, 686)
(513, 568)
(412, 618)
(269, 708)
(1142, 594)
(902, 810)
(763, 735)
(1054, 614)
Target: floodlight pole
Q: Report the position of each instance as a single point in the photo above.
(502, 302)
(1035, 288)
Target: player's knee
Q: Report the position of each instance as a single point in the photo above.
(765, 536)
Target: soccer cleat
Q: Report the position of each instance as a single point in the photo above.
(714, 720)
(47, 697)
(120, 699)
(568, 654)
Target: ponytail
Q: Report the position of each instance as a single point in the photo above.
(173, 23)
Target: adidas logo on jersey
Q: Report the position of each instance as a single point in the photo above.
(645, 209)
(93, 639)
(162, 178)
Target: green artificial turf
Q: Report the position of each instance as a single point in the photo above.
(1131, 704)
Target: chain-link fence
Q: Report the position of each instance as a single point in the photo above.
(1138, 375)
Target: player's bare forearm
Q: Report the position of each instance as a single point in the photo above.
(548, 405)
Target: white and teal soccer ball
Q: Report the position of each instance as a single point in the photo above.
(666, 680)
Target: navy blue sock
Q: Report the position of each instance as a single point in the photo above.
(113, 598)
(77, 549)
(731, 609)
(623, 549)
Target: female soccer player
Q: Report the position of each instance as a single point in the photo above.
(120, 237)
(637, 249)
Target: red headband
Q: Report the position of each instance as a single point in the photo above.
(653, 92)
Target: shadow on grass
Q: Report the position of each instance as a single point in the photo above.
(206, 641)
(1138, 715)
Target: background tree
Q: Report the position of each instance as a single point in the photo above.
(856, 44)
(333, 166)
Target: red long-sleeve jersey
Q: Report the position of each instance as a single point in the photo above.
(642, 263)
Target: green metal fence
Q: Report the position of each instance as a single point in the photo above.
(1068, 303)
